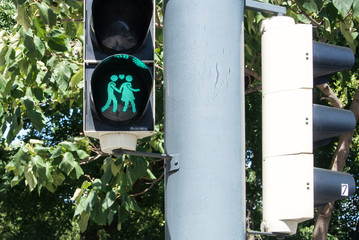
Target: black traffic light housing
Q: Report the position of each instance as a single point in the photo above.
(329, 122)
(119, 49)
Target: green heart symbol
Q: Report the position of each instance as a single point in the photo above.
(122, 76)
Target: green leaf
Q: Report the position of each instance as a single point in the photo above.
(107, 175)
(40, 150)
(111, 214)
(138, 169)
(99, 215)
(40, 27)
(85, 185)
(73, 3)
(130, 204)
(34, 45)
(10, 55)
(343, 6)
(57, 41)
(36, 119)
(38, 93)
(67, 163)
(39, 48)
(98, 185)
(29, 42)
(22, 16)
(30, 178)
(21, 155)
(77, 172)
(52, 62)
(63, 76)
(48, 170)
(109, 200)
(69, 146)
(46, 14)
(31, 74)
(150, 175)
(71, 28)
(77, 78)
(115, 169)
(122, 214)
(119, 226)
(39, 166)
(35, 115)
(82, 154)
(77, 195)
(310, 5)
(49, 186)
(16, 180)
(355, 9)
(87, 203)
(57, 152)
(59, 178)
(16, 125)
(84, 218)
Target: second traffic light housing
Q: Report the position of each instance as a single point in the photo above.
(291, 64)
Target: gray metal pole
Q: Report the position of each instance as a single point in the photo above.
(204, 121)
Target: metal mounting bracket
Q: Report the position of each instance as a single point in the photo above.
(265, 7)
(171, 161)
(172, 164)
(280, 236)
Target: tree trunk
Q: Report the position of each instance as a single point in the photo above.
(324, 213)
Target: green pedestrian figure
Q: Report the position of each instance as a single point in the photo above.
(127, 94)
(111, 88)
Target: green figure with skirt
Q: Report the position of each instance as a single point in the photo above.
(127, 94)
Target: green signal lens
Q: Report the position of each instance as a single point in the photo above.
(121, 86)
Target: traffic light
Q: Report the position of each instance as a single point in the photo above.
(119, 72)
(291, 64)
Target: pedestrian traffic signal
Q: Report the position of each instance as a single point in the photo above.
(291, 63)
(121, 87)
(119, 72)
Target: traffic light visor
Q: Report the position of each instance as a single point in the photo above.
(121, 26)
(121, 86)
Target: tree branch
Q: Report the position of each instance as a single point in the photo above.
(158, 21)
(147, 189)
(251, 72)
(318, 24)
(330, 96)
(253, 89)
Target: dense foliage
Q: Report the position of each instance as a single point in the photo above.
(55, 183)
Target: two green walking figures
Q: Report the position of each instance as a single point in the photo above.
(125, 89)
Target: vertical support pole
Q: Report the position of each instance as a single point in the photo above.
(204, 120)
